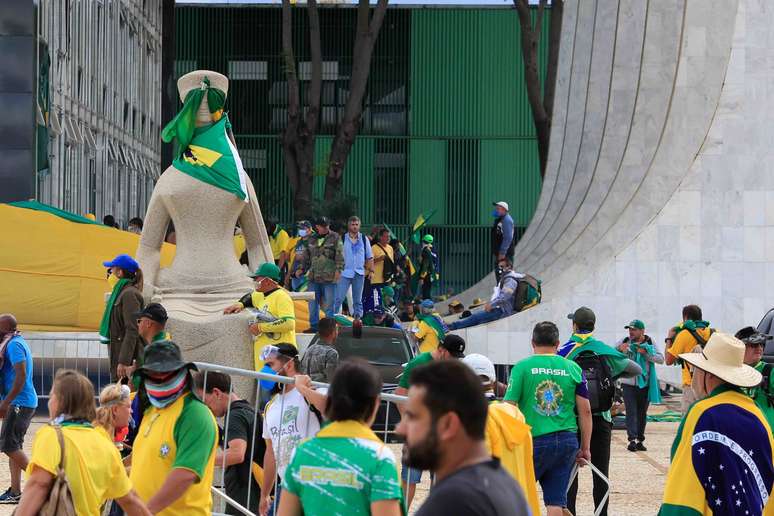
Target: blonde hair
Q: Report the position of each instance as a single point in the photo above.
(111, 395)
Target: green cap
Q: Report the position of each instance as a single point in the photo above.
(267, 270)
(636, 324)
(428, 239)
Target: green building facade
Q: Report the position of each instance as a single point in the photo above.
(446, 122)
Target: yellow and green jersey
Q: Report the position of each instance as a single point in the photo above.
(342, 471)
(182, 435)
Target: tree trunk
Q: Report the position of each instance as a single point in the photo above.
(530, 37)
(298, 138)
(554, 40)
(365, 40)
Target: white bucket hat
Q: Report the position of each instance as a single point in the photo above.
(723, 356)
(193, 80)
(480, 365)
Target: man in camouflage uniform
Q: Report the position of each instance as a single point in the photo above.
(324, 260)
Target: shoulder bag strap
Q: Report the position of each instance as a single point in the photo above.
(60, 438)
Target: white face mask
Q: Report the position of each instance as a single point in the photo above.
(302, 233)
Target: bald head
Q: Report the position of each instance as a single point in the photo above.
(7, 323)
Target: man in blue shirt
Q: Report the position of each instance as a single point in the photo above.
(19, 401)
(502, 234)
(358, 263)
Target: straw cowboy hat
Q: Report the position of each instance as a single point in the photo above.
(476, 302)
(723, 356)
(193, 80)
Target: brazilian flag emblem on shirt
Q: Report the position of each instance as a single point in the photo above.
(212, 158)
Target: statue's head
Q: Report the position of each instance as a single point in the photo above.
(195, 80)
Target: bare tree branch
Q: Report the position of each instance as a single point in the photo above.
(539, 19)
(529, 48)
(365, 41)
(315, 85)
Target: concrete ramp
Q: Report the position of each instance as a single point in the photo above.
(659, 190)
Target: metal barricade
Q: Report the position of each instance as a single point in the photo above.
(206, 368)
(57, 350)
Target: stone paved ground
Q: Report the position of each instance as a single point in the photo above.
(637, 478)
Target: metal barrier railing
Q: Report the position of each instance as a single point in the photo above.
(257, 376)
(58, 350)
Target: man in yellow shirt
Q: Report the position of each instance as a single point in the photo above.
(278, 238)
(173, 459)
(268, 297)
(693, 332)
(384, 266)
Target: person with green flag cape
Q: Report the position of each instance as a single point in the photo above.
(607, 364)
(641, 391)
(430, 329)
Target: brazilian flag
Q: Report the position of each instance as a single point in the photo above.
(212, 158)
(421, 222)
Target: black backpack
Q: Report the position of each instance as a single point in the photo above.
(599, 380)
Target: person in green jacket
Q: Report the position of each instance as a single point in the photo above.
(763, 394)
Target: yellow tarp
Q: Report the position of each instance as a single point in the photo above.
(51, 272)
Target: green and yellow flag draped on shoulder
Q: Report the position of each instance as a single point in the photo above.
(206, 153)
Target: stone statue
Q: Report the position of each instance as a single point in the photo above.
(205, 192)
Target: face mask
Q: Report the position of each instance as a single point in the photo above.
(495, 214)
(112, 280)
(164, 394)
(302, 233)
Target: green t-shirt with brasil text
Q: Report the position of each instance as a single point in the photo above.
(544, 388)
(420, 359)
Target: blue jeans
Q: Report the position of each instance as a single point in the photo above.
(478, 318)
(554, 454)
(324, 294)
(357, 294)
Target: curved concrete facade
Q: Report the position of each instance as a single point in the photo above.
(657, 192)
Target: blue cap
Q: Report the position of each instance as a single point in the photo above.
(123, 261)
(427, 303)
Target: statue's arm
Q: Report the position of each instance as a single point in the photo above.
(154, 230)
(254, 231)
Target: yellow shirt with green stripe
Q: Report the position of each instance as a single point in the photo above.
(282, 331)
(92, 464)
(182, 435)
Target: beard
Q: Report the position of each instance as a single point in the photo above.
(424, 455)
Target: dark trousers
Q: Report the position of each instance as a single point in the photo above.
(601, 433)
(427, 285)
(636, 401)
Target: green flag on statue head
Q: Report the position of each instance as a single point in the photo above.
(211, 157)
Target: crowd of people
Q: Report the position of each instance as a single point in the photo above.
(152, 443)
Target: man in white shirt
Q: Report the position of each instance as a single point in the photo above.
(288, 419)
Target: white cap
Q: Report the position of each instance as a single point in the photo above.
(480, 365)
(501, 204)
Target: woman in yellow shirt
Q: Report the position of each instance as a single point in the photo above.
(92, 464)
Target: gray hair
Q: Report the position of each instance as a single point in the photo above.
(353, 218)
